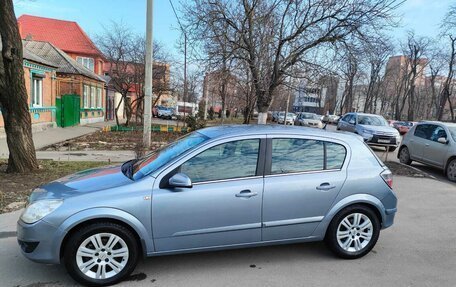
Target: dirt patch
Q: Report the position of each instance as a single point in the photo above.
(101, 140)
(405, 170)
(15, 188)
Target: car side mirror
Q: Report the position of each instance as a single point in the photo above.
(180, 180)
(442, 140)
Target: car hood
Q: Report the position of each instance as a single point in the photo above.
(81, 182)
(384, 129)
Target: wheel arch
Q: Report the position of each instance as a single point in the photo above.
(91, 216)
(366, 200)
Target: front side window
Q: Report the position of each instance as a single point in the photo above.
(296, 155)
(86, 62)
(37, 92)
(438, 132)
(230, 160)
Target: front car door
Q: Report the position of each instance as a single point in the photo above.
(224, 205)
(434, 153)
(300, 185)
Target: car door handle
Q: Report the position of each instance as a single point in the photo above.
(427, 144)
(246, 194)
(325, 186)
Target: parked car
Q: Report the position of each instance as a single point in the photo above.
(308, 120)
(402, 127)
(374, 129)
(431, 143)
(216, 188)
(290, 118)
(165, 113)
(331, 119)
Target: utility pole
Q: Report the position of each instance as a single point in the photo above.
(148, 77)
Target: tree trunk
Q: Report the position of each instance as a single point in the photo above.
(13, 95)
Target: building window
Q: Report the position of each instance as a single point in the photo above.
(85, 97)
(86, 62)
(37, 92)
(92, 97)
(99, 99)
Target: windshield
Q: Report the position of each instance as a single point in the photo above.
(371, 120)
(290, 115)
(154, 160)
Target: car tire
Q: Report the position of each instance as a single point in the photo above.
(451, 170)
(353, 232)
(404, 156)
(101, 242)
(391, 148)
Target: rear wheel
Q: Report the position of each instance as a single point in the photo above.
(353, 232)
(451, 170)
(404, 156)
(101, 254)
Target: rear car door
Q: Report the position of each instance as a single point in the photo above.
(303, 175)
(418, 140)
(224, 205)
(434, 153)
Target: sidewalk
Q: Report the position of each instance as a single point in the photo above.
(55, 135)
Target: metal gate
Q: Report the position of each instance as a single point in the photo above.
(68, 110)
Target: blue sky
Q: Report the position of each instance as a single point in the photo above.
(422, 16)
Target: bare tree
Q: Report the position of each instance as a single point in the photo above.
(449, 32)
(13, 94)
(273, 36)
(125, 54)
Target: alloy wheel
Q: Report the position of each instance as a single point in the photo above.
(354, 232)
(102, 256)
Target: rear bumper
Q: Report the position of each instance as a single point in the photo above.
(390, 204)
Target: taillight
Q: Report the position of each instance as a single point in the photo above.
(387, 176)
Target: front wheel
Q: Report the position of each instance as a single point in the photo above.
(101, 254)
(451, 170)
(353, 232)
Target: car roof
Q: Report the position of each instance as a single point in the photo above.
(437, 122)
(227, 131)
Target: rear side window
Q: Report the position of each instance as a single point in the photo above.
(335, 155)
(424, 131)
(302, 155)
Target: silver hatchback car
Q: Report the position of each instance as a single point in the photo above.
(216, 188)
(431, 143)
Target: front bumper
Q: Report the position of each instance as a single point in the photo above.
(380, 140)
(39, 242)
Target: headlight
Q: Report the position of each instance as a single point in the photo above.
(40, 209)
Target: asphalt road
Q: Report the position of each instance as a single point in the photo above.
(418, 250)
